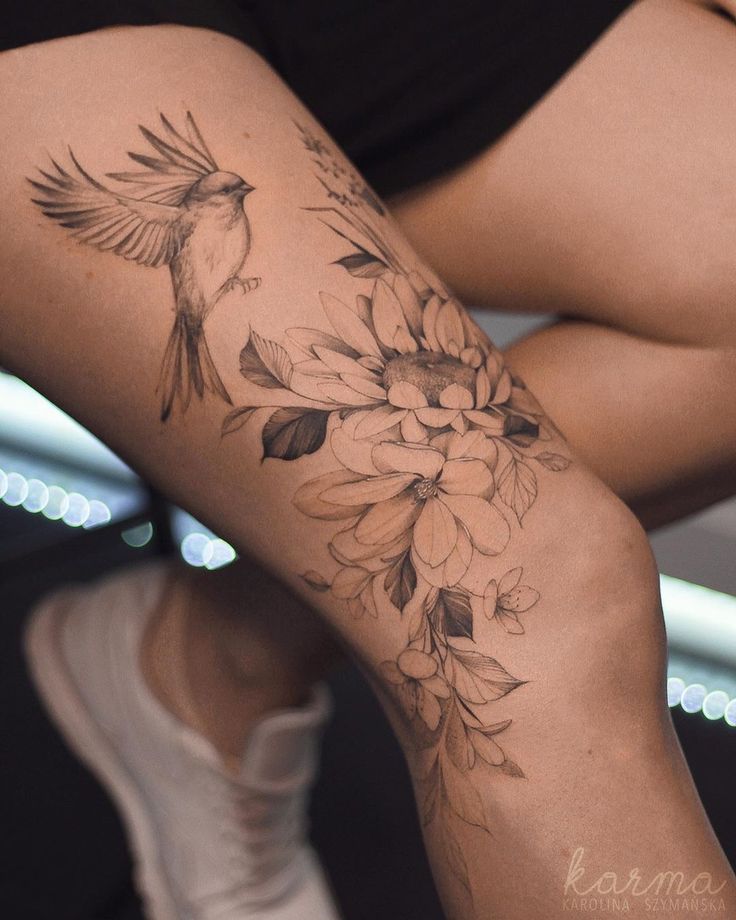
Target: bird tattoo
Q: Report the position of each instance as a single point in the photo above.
(179, 210)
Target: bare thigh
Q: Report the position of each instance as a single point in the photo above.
(613, 203)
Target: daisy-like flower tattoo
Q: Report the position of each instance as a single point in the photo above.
(437, 448)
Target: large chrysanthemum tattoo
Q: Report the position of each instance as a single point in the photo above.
(436, 446)
(418, 364)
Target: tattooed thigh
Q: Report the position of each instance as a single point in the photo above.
(216, 292)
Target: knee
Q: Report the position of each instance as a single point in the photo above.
(614, 647)
(573, 622)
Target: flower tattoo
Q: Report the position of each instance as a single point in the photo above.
(438, 447)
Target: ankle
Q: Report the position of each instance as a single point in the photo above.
(192, 670)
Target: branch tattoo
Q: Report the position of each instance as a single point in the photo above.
(438, 445)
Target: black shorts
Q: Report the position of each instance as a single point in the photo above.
(409, 88)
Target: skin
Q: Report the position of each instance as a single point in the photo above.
(604, 754)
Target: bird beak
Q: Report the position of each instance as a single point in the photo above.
(246, 189)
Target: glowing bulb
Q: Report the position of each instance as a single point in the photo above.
(222, 554)
(16, 490)
(38, 496)
(57, 504)
(3, 483)
(138, 536)
(675, 686)
(714, 705)
(77, 510)
(730, 714)
(692, 697)
(196, 549)
(99, 514)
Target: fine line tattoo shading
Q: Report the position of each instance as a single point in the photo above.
(179, 210)
(438, 447)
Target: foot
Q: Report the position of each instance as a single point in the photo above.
(245, 284)
(210, 842)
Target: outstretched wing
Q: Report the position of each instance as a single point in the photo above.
(183, 159)
(144, 231)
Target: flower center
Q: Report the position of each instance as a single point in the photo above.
(424, 489)
(430, 372)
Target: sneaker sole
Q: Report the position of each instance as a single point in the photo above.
(84, 737)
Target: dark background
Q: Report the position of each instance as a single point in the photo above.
(64, 855)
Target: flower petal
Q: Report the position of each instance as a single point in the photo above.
(429, 321)
(488, 529)
(345, 395)
(369, 491)
(404, 342)
(411, 429)
(510, 580)
(346, 550)
(307, 339)
(449, 328)
(408, 458)
(365, 385)
(503, 388)
(492, 424)
(355, 606)
(437, 686)
(494, 366)
(405, 395)
(519, 599)
(307, 497)
(452, 569)
(466, 477)
(349, 582)
(490, 596)
(352, 452)
(411, 303)
(349, 328)
(417, 664)
(482, 388)
(384, 523)
(472, 444)
(456, 564)
(388, 317)
(428, 708)
(377, 365)
(339, 363)
(472, 356)
(377, 420)
(389, 671)
(420, 285)
(456, 397)
(435, 532)
(436, 418)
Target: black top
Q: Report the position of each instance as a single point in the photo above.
(410, 88)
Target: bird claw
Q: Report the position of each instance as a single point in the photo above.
(246, 284)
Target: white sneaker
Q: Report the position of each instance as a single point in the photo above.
(207, 845)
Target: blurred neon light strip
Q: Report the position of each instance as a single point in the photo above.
(29, 422)
(699, 621)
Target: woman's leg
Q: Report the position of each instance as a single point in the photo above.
(611, 202)
(225, 648)
(378, 457)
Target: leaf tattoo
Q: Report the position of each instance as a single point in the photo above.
(436, 444)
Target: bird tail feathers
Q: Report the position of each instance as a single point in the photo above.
(187, 366)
